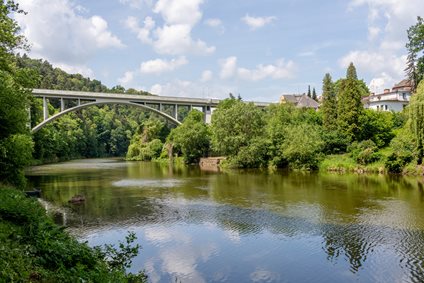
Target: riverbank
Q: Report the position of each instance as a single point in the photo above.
(34, 249)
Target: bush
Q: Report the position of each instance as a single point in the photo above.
(395, 163)
(403, 147)
(33, 248)
(252, 156)
(302, 146)
(334, 142)
(364, 152)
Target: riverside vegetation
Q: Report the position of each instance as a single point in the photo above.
(342, 135)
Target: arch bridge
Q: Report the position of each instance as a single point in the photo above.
(165, 106)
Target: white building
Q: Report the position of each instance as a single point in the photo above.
(390, 100)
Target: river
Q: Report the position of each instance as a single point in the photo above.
(245, 226)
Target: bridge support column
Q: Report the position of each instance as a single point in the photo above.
(45, 109)
(62, 105)
(79, 101)
(176, 112)
(208, 114)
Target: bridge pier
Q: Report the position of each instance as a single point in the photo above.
(176, 112)
(62, 105)
(45, 109)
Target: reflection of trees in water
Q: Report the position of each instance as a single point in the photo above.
(248, 203)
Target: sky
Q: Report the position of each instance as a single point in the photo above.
(258, 49)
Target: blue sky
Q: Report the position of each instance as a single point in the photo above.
(259, 49)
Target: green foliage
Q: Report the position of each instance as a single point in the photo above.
(146, 143)
(415, 46)
(377, 126)
(255, 155)
(416, 111)
(314, 95)
(15, 154)
(302, 146)
(364, 152)
(403, 150)
(234, 125)
(329, 105)
(334, 142)
(192, 137)
(349, 104)
(15, 143)
(33, 248)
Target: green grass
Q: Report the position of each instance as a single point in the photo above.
(343, 163)
(34, 249)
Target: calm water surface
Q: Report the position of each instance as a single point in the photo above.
(197, 226)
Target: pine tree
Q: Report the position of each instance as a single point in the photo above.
(416, 110)
(309, 91)
(314, 95)
(349, 104)
(351, 72)
(415, 46)
(329, 105)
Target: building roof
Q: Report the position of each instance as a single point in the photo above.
(299, 100)
(406, 84)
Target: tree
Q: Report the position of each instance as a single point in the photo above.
(314, 95)
(329, 104)
(416, 109)
(192, 137)
(236, 128)
(309, 91)
(15, 142)
(349, 104)
(415, 46)
(302, 146)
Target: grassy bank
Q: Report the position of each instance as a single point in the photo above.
(34, 249)
(343, 163)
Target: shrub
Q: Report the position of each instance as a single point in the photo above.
(302, 146)
(364, 152)
(403, 147)
(33, 248)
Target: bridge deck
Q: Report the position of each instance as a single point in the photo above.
(132, 97)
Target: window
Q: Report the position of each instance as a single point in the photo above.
(385, 107)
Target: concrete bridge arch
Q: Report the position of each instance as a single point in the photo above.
(97, 103)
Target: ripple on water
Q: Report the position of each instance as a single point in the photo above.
(156, 183)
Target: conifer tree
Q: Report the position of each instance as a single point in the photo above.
(309, 91)
(314, 95)
(329, 105)
(349, 104)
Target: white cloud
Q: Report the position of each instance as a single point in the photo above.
(176, 39)
(179, 11)
(183, 88)
(280, 70)
(388, 20)
(228, 67)
(257, 22)
(206, 76)
(74, 69)
(213, 23)
(136, 4)
(373, 32)
(58, 33)
(174, 36)
(126, 79)
(159, 66)
(375, 62)
(144, 32)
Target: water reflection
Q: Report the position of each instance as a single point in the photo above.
(247, 226)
